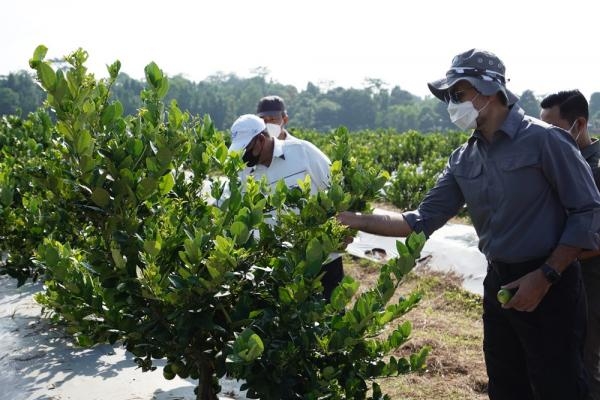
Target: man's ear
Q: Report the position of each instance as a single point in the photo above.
(285, 119)
(581, 123)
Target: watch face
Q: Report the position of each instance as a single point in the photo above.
(550, 273)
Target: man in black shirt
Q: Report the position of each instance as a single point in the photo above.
(569, 110)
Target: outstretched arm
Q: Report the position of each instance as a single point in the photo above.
(384, 225)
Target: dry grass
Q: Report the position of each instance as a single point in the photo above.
(448, 320)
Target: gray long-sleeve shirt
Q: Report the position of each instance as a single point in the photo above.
(526, 192)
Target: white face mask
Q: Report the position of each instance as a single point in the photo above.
(274, 130)
(464, 115)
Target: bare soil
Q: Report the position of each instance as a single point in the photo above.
(448, 320)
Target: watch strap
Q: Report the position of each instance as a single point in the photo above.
(550, 273)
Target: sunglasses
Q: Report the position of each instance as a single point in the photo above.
(455, 97)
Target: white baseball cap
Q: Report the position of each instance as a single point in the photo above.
(244, 129)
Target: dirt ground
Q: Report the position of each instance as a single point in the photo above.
(448, 320)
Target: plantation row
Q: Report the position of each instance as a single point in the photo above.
(109, 211)
(412, 159)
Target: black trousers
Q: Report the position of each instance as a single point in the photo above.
(590, 270)
(334, 273)
(535, 355)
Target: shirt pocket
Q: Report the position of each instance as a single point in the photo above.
(470, 178)
(519, 161)
(521, 176)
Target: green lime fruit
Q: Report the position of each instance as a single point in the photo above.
(504, 295)
(168, 374)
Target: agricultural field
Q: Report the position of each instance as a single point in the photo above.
(111, 213)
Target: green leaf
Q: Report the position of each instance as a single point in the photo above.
(166, 183)
(175, 115)
(51, 256)
(100, 197)
(153, 74)
(63, 129)
(85, 341)
(136, 146)
(117, 257)
(406, 328)
(314, 251)
(146, 187)
(163, 88)
(164, 156)
(6, 195)
(88, 107)
(38, 55)
(86, 163)
(113, 69)
(415, 243)
(248, 345)
(83, 142)
(151, 164)
(285, 295)
(111, 112)
(417, 360)
(152, 247)
(240, 231)
(47, 76)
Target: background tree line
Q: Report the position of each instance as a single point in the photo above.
(226, 96)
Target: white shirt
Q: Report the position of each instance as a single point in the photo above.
(292, 161)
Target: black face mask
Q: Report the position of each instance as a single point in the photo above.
(250, 159)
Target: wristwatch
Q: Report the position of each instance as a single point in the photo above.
(550, 273)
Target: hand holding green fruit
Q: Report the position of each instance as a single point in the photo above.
(504, 295)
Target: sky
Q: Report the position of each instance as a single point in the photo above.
(546, 46)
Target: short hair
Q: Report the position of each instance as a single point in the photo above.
(571, 104)
(271, 106)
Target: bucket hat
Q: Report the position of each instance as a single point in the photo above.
(482, 69)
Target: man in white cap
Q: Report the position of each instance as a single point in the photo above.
(533, 202)
(287, 160)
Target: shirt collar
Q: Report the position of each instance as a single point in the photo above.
(278, 148)
(510, 126)
(592, 149)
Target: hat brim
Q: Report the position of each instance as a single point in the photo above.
(238, 145)
(270, 113)
(440, 87)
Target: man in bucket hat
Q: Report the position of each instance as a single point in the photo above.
(533, 202)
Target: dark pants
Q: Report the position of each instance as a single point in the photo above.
(535, 355)
(590, 270)
(334, 273)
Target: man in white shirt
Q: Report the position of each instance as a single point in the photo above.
(287, 160)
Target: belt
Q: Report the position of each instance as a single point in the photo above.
(515, 269)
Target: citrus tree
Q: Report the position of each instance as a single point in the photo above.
(132, 248)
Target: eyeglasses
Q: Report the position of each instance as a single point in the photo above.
(454, 96)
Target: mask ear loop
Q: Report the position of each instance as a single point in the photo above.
(578, 131)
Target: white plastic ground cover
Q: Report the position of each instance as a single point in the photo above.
(451, 248)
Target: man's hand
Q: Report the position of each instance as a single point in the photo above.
(531, 290)
(348, 218)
